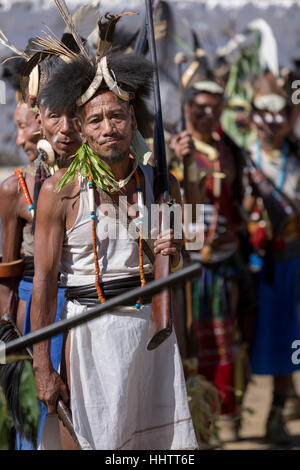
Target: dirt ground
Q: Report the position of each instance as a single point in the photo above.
(256, 406)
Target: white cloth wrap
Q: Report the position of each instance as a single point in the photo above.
(123, 396)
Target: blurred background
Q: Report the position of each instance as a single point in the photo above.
(215, 26)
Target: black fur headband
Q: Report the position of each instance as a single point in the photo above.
(70, 80)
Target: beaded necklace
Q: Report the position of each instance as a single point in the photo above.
(140, 227)
(25, 191)
(282, 175)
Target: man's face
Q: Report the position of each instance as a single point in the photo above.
(205, 111)
(242, 119)
(106, 126)
(270, 125)
(60, 131)
(28, 128)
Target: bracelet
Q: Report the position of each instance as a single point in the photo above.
(179, 265)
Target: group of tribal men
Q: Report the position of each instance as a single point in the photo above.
(81, 135)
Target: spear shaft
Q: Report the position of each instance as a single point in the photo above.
(160, 325)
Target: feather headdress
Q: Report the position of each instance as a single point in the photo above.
(128, 76)
(32, 80)
(106, 27)
(71, 46)
(106, 33)
(6, 43)
(63, 10)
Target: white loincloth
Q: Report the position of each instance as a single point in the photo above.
(123, 396)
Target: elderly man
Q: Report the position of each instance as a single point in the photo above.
(16, 220)
(16, 191)
(121, 395)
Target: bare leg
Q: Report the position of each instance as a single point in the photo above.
(276, 431)
(21, 315)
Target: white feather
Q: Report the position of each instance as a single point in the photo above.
(34, 78)
(268, 53)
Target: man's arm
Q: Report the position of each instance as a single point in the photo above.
(12, 234)
(48, 240)
(185, 151)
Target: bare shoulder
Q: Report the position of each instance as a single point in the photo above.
(54, 204)
(50, 185)
(9, 187)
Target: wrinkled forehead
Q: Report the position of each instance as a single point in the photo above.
(103, 101)
(24, 114)
(46, 112)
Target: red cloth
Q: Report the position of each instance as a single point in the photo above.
(216, 361)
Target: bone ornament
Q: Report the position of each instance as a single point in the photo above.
(103, 73)
(180, 59)
(46, 151)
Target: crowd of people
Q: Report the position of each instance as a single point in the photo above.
(84, 120)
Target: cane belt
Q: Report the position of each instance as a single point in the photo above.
(87, 295)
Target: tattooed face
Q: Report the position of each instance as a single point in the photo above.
(106, 125)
